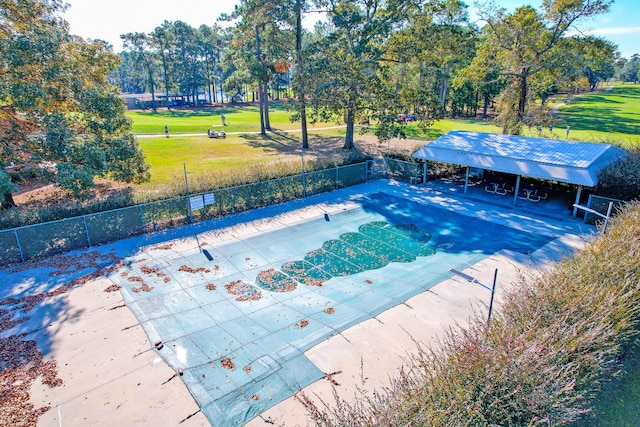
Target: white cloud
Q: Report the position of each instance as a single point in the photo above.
(614, 31)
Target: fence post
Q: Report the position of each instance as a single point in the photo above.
(337, 167)
(584, 219)
(15, 232)
(86, 230)
(269, 193)
(304, 184)
(144, 229)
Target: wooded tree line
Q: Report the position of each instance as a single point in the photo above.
(61, 114)
(374, 59)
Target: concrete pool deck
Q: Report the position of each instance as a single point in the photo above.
(111, 371)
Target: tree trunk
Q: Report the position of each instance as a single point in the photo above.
(350, 119)
(420, 78)
(301, 100)
(153, 88)
(263, 131)
(444, 88)
(7, 201)
(267, 122)
(165, 77)
(485, 107)
(261, 89)
(522, 100)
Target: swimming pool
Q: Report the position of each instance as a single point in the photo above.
(236, 316)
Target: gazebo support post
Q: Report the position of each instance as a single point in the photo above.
(575, 209)
(466, 180)
(515, 192)
(424, 172)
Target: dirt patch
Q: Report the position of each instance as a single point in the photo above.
(275, 281)
(329, 310)
(165, 247)
(211, 287)
(145, 287)
(302, 324)
(227, 363)
(188, 269)
(243, 290)
(112, 288)
(312, 281)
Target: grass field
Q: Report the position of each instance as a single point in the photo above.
(242, 118)
(611, 115)
(203, 155)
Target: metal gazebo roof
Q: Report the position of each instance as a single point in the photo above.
(549, 159)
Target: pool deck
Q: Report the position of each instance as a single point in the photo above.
(112, 374)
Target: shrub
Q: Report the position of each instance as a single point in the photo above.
(72, 207)
(621, 179)
(556, 338)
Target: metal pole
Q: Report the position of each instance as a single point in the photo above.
(15, 232)
(144, 229)
(304, 177)
(606, 220)
(186, 181)
(575, 210)
(86, 230)
(493, 292)
(466, 180)
(424, 171)
(515, 192)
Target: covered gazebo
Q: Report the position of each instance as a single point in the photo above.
(576, 163)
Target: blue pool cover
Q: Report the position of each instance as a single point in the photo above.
(237, 316)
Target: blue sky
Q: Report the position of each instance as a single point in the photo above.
(106, 20)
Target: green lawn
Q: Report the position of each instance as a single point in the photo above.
(611, 116)
(203, 155)
(245, 118)
(606, 116)
(618, 404)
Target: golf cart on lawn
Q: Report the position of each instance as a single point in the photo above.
(216, 132)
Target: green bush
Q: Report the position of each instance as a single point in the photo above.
(555, 340)
(621, 179)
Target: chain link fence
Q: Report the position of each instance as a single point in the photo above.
(600, 204)
(47, 239)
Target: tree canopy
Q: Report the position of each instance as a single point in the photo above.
(58, 112)
(370, 62)
(373, 60)
(527, 42)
